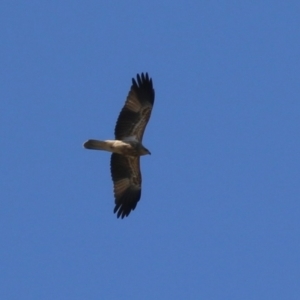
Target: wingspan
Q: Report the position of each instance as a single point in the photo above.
(136, 112)
(126, 175)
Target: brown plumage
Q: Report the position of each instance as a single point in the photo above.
(127, 146)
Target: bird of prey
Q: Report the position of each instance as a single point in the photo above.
(127, 146)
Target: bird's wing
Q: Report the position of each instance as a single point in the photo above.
(126, 175)
(136, 112)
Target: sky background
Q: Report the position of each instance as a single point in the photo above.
(219, 213)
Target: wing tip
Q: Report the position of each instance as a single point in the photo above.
(127, 203)
(143, 84)
(142, 78)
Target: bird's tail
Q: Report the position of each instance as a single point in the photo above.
(96, 145)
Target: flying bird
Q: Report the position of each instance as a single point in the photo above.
(127, 146)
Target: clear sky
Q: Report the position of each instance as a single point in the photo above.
(219, 216)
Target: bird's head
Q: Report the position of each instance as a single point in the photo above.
(145, 151)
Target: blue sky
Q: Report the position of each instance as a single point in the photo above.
(219, 213)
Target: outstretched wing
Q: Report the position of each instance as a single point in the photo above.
(136, 112)
(126, 175)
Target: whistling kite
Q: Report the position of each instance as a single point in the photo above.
(127, 146)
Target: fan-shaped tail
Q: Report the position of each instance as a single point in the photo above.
(96, 145)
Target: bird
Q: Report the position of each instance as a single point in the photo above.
(127, 147)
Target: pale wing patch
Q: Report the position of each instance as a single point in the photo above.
(132, 138)
(135, 178)
(132, 103)
(121, 186)
(139, 127)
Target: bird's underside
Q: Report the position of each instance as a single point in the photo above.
(127, 147)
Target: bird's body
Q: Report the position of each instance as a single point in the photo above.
(127, 146)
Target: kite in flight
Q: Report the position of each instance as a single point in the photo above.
(127, 146)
